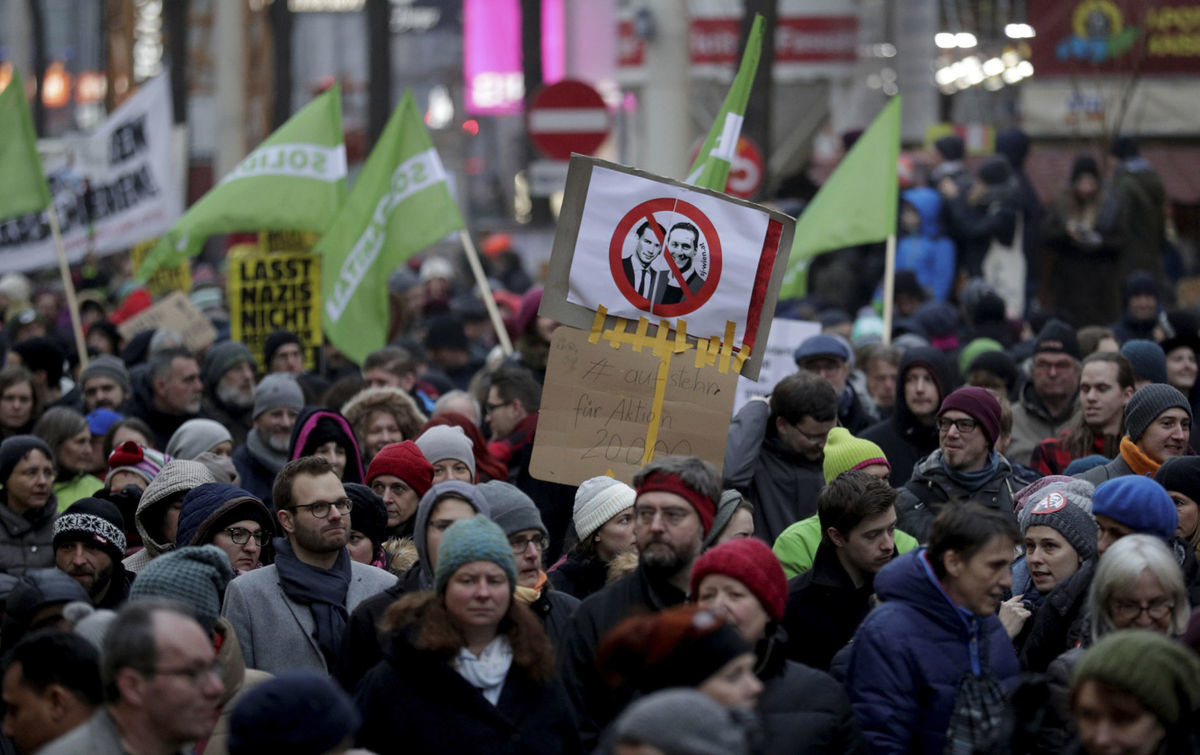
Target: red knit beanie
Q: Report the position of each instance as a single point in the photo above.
(751, 562)
(403, 460)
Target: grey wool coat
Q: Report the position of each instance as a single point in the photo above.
(276, 634)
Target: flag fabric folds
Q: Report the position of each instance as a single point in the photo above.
(294, 181)
(856, 205)
(711, 169)
(399, 205)
(23, 187)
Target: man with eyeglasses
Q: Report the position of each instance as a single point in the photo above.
(162, 686)
(676, 502)
(775, 454)
(517, 515)
(1048, 402)
(965, 468)
(290, 616)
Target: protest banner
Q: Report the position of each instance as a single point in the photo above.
(597, 410)
(639, 245)
(175, 312)
(269, 291)
(778, 360)
(113, 187)
(165, 279)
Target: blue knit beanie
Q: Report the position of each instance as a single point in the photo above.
(469, 540)
(1139, 503)
(1147, 359)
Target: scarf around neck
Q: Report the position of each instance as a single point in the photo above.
(264, 453)
(487, 672)
(973, 481)
(528, 595)
(1139, 462)
(322, 590)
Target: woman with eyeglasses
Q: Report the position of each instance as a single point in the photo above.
(467, 667)
(229, 518)
(1137, 585)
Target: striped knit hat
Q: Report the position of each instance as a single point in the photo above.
(844, 452)
(95, 521)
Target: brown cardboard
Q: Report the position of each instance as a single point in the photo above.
(175, 312)
(596, 407)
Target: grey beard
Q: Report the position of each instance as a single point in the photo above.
(279, 444)
(231, 396)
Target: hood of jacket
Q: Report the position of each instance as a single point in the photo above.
(177, 476)
(395, 401)
(928, 205)
(211, 502)
(910, 579)
(328, 422)
(933, 360)
(458, 489)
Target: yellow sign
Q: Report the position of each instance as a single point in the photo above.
(274, 291)
(165, 279)
(287, 241)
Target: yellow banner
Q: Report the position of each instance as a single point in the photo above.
(165, 279)
(274, 291)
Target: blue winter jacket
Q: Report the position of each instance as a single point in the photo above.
(928, 253)
(909, 654)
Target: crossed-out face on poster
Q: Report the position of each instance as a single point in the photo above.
(643, 246)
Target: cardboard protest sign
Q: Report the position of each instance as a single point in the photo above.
(778, 361)
(165, 279)
(639, 245)
(274, 291)
(175, 312)
(597, 408)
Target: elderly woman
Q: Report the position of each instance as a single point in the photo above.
(66, 433)
(802, 709)
(20, 405)
(380, 416)
(27, 505)
(1137, 585)
(1137, 692)
(603, 518)
(197, 436)
(468, 668)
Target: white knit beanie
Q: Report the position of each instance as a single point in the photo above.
(597, 500)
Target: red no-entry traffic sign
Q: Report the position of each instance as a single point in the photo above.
(567, 117)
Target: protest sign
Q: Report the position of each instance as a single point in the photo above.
(275, 291)
(165, 279)
(639, 245)
(597, 410)
(175, 312)
(113, 188)
(778, 361)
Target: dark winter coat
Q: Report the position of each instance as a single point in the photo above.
(802, 710)
(578, 576)
(910, 654)
(1143, 200)
(931, 488)
(595, 704)
(415, 702)
(1059, 622)
(782, 484)
(237, 421)
(254, 476)
(824, 609)
(1033, 423)
(554, 609)
(26, 542)
(362, 640)
(903, 439)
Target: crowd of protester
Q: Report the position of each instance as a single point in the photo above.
(979, 534)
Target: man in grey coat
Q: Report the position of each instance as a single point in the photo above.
(290, 616)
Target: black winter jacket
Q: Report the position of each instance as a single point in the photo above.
(931, 488)
(579, 577)
(824, 609)
(1059, 623)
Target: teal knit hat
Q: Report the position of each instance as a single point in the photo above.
(474, 539)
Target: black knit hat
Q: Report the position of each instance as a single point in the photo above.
(13, 449)
(93, 520)
(276, 340)
(1057, 337)
(42, 354)
(369, 515)
(1149, 402)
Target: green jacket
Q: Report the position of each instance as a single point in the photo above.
(797, 545)
(70, 491)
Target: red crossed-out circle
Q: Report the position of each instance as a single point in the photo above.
(708, 231)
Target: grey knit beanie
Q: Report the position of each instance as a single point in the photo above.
(597, 500)
(1149, 402)
(447, 442)
(223, 357)
(1055, 511)
(681, 722)
(195, 576)
(106, 365)
(275, 390)
(730, 500)
(196, 436)
(511, 508)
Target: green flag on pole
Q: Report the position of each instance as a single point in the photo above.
(23, 187)
(711, 169)
(856, 205)
(294, 181)
(399, 205)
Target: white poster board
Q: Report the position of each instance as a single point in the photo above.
(778, 361)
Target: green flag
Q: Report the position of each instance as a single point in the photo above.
(399, 205)
(711, 169)
(23, 187)
(857, 205)
(294, 181)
